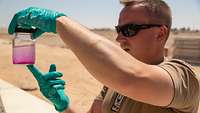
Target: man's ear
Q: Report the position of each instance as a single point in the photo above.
(163, 33)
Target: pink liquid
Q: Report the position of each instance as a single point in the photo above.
(24, 54)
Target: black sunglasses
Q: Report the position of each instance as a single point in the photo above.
(129, 30)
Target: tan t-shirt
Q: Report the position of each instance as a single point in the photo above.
(185, 100)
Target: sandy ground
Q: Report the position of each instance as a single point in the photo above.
(81, 86)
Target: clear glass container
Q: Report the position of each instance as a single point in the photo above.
(23, 48)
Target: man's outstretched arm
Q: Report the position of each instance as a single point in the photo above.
(115, 68)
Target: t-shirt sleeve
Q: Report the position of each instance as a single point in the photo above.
(102, 93)
(186, 86)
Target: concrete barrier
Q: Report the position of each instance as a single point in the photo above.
(187, 49)
(15, 100)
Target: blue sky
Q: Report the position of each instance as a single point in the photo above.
(100, 13)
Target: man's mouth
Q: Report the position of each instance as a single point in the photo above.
(125, 47)
(126, 50)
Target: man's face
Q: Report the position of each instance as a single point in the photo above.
(144, 44)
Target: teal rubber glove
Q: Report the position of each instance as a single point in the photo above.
(44, 20)
(51, 86)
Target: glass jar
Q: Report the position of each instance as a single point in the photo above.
(23, 47)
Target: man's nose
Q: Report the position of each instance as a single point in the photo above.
(120, 38)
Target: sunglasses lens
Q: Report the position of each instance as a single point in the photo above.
(128, 31)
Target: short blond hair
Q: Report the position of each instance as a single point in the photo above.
(158, 10)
